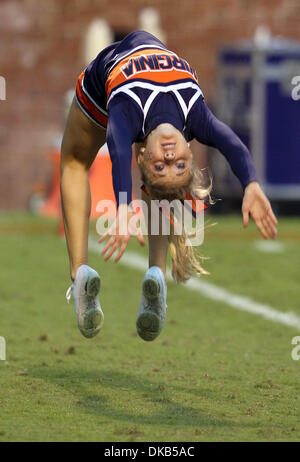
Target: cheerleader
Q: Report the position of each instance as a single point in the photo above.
(138, 93)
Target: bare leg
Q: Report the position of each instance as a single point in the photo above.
(81, 142)
(158, 245)
(152, 312)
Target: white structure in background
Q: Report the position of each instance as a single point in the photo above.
(149, 21)
(2, 88)
(262, 37)
(98, 36)
(2, 349)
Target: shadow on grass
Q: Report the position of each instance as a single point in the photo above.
(132, 398)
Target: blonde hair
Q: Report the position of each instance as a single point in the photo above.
(185, 261)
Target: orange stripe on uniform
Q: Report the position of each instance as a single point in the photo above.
(197, 204)
(88, 104)
(116, 77)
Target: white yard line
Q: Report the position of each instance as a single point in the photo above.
(269, 246)
(209, 290)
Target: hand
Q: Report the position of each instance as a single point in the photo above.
(120, 233)
(256, 203)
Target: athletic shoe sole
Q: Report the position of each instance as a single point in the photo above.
(93, 318)
(149, 323)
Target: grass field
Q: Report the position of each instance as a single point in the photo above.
(214, 374)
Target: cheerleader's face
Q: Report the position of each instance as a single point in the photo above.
(166, 154)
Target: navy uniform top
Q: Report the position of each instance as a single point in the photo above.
(134, 85)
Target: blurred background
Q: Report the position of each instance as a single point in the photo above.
(221, 369)
(246, 53)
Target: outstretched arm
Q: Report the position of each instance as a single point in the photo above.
(212, 132)
(121, 132)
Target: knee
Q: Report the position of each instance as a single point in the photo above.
(74, 156)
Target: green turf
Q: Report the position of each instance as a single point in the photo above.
(214, 373)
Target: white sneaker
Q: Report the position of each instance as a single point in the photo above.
(85, 291)
(152, 312)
